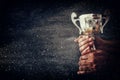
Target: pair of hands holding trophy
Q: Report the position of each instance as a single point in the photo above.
(93, 49)
(91, 60)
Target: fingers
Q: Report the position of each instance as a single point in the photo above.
(84, 57)
(88, 58)
(77, 39)
(84, 43)
(81, 72)
(81, 38)
(85, 51)
(86, 63)
(86, 47)
(86, 69)
(92, 61)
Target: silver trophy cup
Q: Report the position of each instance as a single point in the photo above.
(89, 24)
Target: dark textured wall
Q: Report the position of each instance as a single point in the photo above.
(36, 39)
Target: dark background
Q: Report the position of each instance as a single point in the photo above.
(36, 37)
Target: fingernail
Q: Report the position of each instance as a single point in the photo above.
(75, 40)
(91, 43)
(90, 39)
(80, 72)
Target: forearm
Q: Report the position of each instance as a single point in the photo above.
(111, 46)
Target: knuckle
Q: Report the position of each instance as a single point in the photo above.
(81, 49)
(79, 63)
(79, 58)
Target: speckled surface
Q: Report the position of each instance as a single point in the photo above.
(36, 39)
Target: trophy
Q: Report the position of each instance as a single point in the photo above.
(89, 24)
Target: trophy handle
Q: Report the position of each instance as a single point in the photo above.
(73, 16)
(106, 21)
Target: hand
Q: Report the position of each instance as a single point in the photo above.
(91, 60)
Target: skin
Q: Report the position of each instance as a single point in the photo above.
(93, 60)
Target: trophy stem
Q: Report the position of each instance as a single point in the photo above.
(93, 46)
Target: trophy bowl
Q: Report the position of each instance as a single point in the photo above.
(89, 23)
